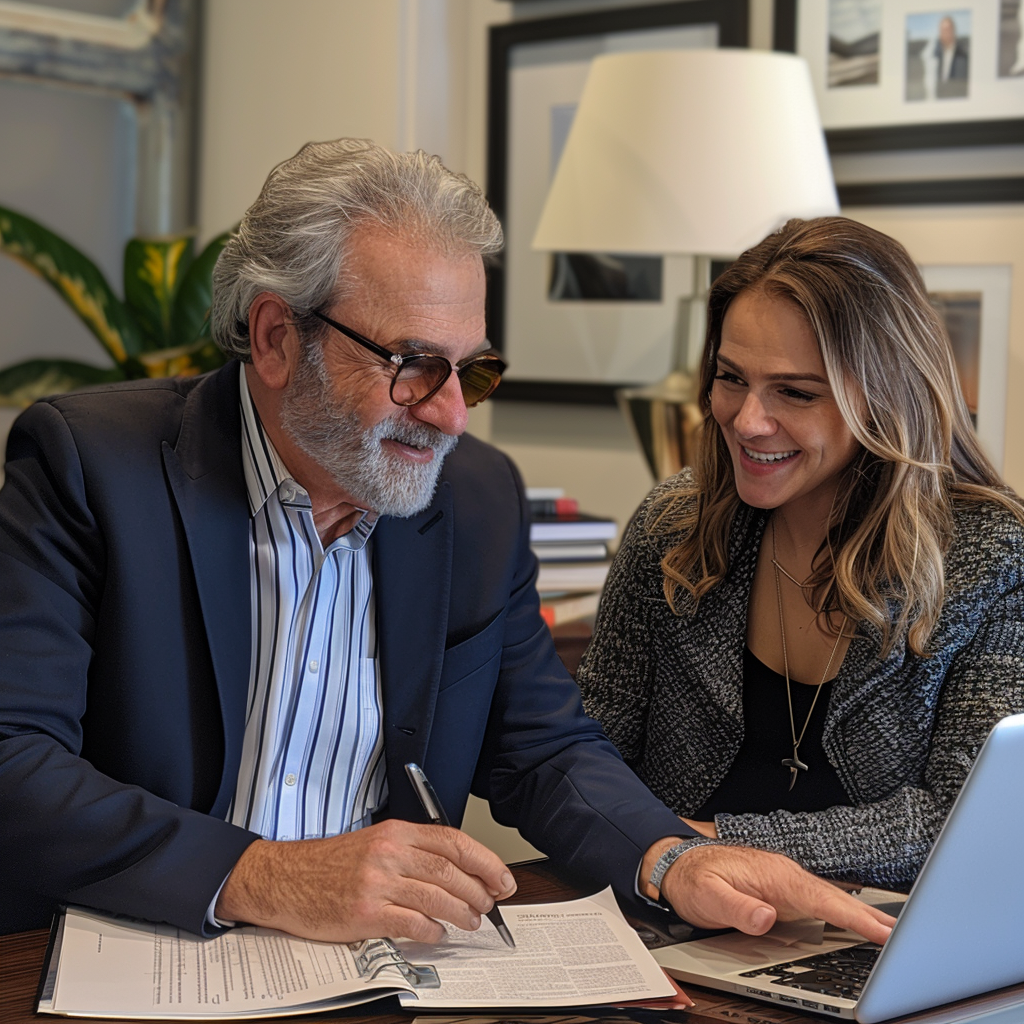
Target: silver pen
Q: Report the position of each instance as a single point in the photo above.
(435, 812)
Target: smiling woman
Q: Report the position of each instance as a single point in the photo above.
(773, 404)
(805, 638)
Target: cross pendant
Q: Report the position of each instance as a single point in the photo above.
(795, 766)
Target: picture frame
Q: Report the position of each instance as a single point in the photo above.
(932, 192)
(575, 351)
(988, 286)
(878, 73)
(974, 302)
(974, 248)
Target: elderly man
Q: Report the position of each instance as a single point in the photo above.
(235, 606)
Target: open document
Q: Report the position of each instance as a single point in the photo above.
(579, 953)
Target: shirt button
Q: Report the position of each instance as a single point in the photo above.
(287, 492)
(289, 779)
(314, 665)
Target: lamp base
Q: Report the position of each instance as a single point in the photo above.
(664, 417)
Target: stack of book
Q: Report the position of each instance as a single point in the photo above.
(572, 548)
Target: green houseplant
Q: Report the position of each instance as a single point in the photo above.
(159, 329)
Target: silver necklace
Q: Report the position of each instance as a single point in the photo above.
(794, 764)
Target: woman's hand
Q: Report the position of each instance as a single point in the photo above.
(705, 828)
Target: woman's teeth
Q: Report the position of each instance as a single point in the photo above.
(767, 457)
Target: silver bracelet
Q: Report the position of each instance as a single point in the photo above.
(666, 860)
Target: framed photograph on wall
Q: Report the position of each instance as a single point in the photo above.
(899, 74)
(972, 263)
(576, 326)
(974, 303)
(974, 299)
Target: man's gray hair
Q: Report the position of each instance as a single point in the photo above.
(293, 241)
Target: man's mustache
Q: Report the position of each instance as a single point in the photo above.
(416, 435)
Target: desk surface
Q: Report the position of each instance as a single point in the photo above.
(21, 961)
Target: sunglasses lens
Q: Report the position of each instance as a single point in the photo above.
(479, 378)
(418, 378)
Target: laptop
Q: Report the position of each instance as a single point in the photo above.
(959, 933)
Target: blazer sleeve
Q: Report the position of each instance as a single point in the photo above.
(546, 767)
(73, 833)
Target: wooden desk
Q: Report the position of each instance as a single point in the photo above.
(21, 961)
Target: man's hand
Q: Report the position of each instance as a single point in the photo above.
(395, 878)
(738, 887)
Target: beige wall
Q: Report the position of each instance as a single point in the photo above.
(406, 73)
(276, 75)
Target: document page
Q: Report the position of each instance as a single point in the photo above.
(567, 954)
(113, 968)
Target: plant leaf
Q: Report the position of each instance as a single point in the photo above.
(75, 277)
(153, 270)
(192, 303)
(22, 383)
(180, 361)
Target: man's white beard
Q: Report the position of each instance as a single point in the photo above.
(329, 431)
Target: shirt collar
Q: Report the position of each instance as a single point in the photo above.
(264, 469)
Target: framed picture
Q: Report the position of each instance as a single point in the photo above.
(905, 74)
(972, 262)
(974, 303)
(974, 299)
(574, 327)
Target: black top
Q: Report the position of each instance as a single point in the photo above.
(757, 782)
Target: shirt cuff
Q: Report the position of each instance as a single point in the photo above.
(213, 925)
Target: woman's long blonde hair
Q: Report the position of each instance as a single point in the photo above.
(891, 369)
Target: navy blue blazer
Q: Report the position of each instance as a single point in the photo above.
(125, 648)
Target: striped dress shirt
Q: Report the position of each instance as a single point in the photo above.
(312, 757)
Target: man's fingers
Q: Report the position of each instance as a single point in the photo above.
(456, 864)
(400, 922)
(473, 859)
(437, 903)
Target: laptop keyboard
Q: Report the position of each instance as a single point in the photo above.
(839, 973)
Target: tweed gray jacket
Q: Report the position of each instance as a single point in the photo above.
(901, 732)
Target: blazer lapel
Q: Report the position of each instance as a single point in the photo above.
(205, 472)
(412, 566)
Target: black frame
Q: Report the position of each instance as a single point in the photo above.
(732, 18)
(1001, 132)
(934, 192)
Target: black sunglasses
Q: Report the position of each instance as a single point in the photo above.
(421, 374)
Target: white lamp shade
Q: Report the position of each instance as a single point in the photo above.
(688, 151)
